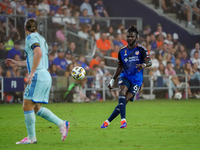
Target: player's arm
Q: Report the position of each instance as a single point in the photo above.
(146, 60)
(117, 72)
(36, 60)
(12, 63)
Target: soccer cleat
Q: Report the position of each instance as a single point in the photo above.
(64, 130)
(26, 140)
(123, 124)
(104, 125)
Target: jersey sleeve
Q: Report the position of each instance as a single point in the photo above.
(33, 42)
(145, 53)
(119, 59)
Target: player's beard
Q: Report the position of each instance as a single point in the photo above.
(131, 43)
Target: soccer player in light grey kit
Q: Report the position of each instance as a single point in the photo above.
(39, 83)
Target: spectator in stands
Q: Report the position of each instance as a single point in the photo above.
(175, 39)
(86, 5)
(110, 32)
(82, 62)
(72, 48)
(57, 19)
(13, 72)
(153, 42)
(159, 41)
(8, 43)
(191, 5)
(5, 7)
(16, 57)
(95, 31)
(196, 59)
(21, 9)
(164, 49)
(53, 70)
(179, 69)
(83, 33)
(174, 82)
(196, 48)
(3, 52)
(13, 32)
(118, 40)
(124, 41)
(184, 58)
(44, 8)
(146, 31)
(54, 49)
(120, 28)
(68, 56)
(193, 78)
(95, 61)
(51, 57)
(99, 9)
(84, 18)
(54, 7)
(70, 21)
(154, 60)
(160, 31)
(60, 61)
(15, 50)
(103, 43)
(168, 39)
(69, 69)
(114, 53)
(60, 36)
(69, 5)
(31, 11)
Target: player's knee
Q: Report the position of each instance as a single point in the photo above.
(37, 108)
(122, 92)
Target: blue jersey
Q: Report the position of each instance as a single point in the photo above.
(36, 38)
(128, 58)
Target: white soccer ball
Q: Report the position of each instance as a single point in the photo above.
(78, 73)
(178, 95)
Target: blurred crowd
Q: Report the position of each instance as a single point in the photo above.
(182, 9)
(169, 56)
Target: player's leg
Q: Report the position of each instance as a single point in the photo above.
(28, 107)
(122, 105)
(123, 88)
(50, 116)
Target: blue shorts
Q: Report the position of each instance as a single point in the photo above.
(132, 88)
(39, 89)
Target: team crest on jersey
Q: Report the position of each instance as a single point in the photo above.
(137, 53)
(125, 53)
(147, 53)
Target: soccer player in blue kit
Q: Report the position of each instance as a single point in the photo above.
(39, 83)
(132, 59)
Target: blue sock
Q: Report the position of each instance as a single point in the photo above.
(48, 115)
(114, 114)
(122, 106)
(30, 123)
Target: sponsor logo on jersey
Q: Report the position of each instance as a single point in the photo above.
(137, 53)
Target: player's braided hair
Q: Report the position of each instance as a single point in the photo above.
(133, 29)
(31, 25)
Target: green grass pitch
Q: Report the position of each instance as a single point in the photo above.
(152, 125)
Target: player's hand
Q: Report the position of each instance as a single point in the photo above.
(30, 77)
(111, 83)
(10, 62)
(140, 66)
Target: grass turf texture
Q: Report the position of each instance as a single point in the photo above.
(156, 125)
